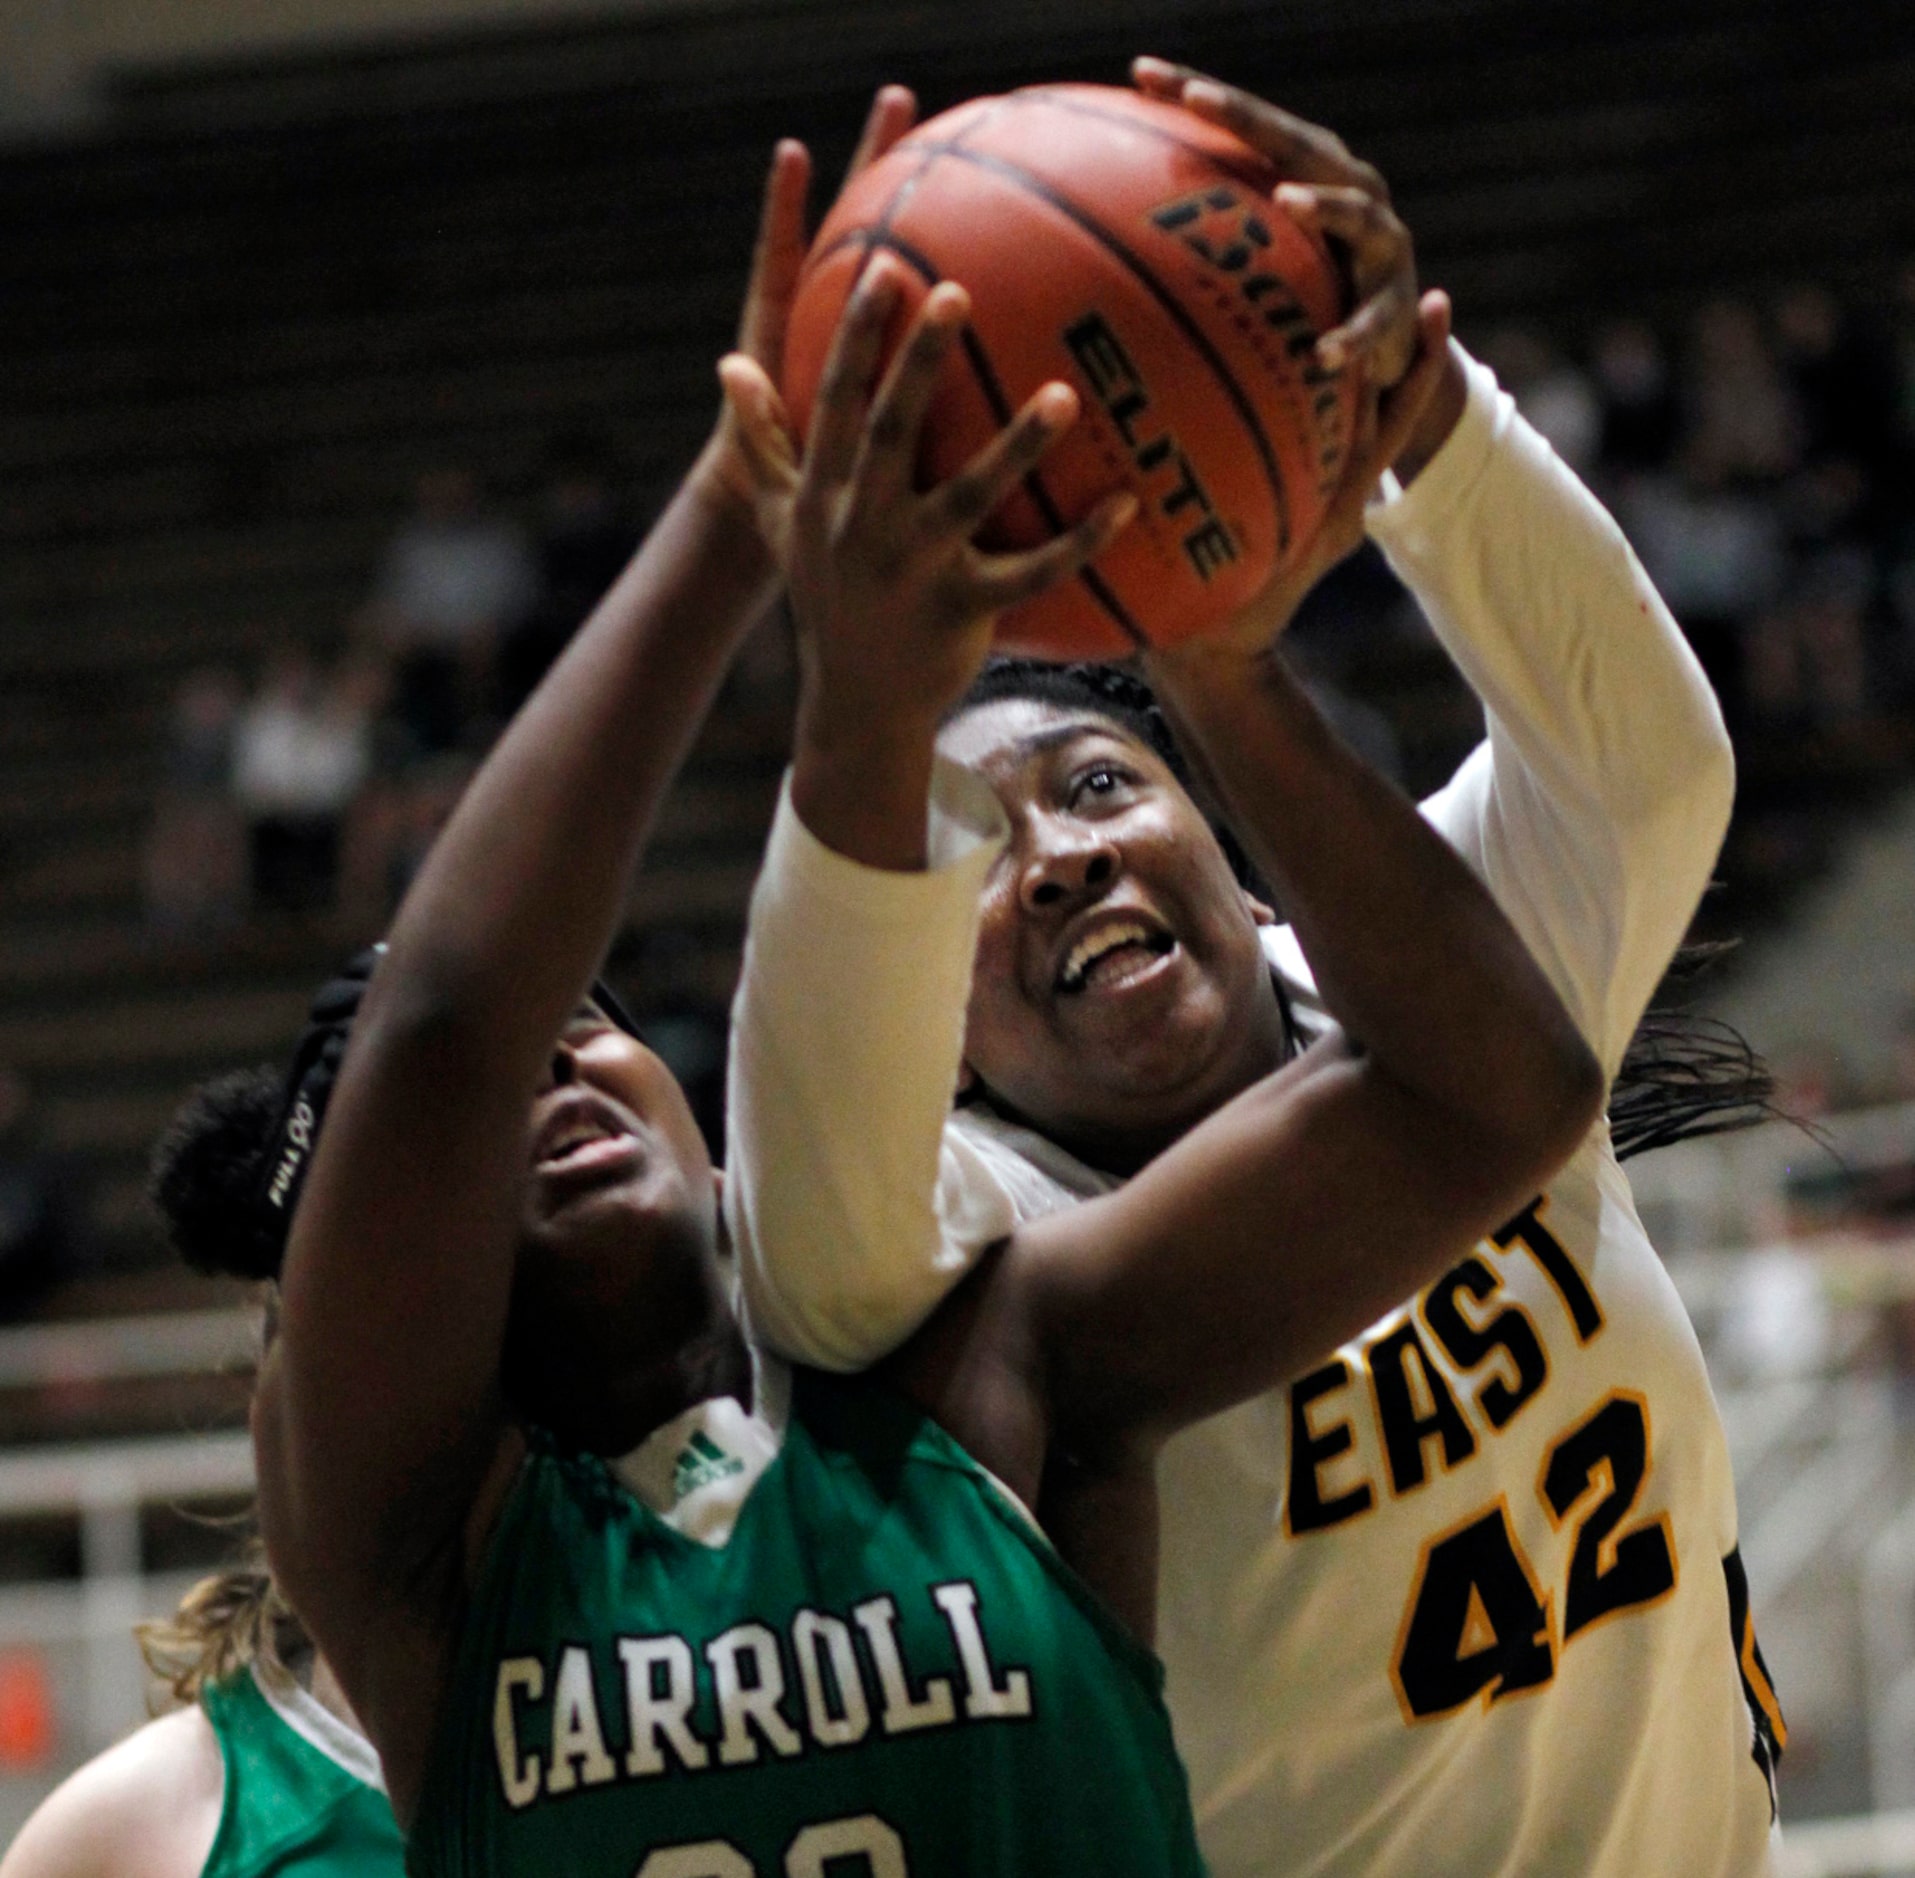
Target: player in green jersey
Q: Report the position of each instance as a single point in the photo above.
(719, 1620)
(260, 1769)
(260, 1772)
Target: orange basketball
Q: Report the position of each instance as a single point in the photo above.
(1132, 250)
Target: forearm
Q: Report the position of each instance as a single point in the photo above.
(1294, 1215)
(1410, 952)
(410, 1213)
(1609, 775)
(849, 1215)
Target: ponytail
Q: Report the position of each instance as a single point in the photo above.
(234, 1620)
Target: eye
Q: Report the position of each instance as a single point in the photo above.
(1098, 781)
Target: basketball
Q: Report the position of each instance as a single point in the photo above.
(1132, 250)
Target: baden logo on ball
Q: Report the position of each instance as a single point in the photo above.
(1132, 250)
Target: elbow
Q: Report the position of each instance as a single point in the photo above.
(1708, 786)
(1562, 1100)
(1579, 1091)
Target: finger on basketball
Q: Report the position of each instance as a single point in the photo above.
(1007, 580)
(778, 255)
(837, 423)
(893, 111)
(1303, 151)
(1380, 334)
(897, 413)
(1342, 525)
(1362, 220)
(962, 503)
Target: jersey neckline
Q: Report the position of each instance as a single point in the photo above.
(322, 1730)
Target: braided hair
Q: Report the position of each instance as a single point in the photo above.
(1683, 1075)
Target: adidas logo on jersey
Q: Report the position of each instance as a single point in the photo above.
(701, 1462)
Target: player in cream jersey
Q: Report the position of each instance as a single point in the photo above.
(1466, 1597)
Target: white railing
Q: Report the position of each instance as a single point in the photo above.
(107, 1484)
(82, 1627)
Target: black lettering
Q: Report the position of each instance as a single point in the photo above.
(1476, 1624)
(1098, 351)
(1467, 1345)
(1547, 1250)
(1125, 410)
(1305, 1508)
(1405, 1430)
(1608, 1455)
(1210, 545)
(1187, 490)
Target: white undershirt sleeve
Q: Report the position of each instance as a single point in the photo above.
(1596, 805)
(851, 1214)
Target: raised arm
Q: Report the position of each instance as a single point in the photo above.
(849, 1211)
(1305, 1208)
(379, 1416)
(1597, 803)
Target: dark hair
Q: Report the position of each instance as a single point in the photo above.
(227, 1174)
(206, 1169)
(1682, 1076)
(204, 1173)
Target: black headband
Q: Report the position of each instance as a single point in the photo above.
(309, 1085)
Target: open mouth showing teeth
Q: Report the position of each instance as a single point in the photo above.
(575, 1144)
(1110, 951)
(580, 1132)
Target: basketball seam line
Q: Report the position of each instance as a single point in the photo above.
(1080, 107)
(1165, 298)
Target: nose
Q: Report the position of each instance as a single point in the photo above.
(1067, 861)
(562, 1071)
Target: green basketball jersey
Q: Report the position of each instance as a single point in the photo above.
(882, 1671)
(303, 1798)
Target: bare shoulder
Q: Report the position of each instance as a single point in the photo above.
(148, 1808)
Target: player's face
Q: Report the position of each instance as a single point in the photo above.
(618, 1232)
(1120, 992)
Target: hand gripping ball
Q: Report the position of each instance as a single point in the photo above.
(1132, 250)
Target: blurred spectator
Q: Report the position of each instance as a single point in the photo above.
(456, 578)
(301, 751)
(1641, 415)
(193, 869)
(1842, 379)
(1806, 665)
(1741, 422)
(1554, 394)
(36, 1240)
(583, 536)
(1715, 552)
(403, 817)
